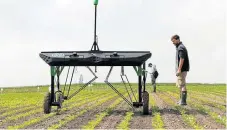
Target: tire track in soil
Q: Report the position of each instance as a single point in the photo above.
(215, 99)
(202, 119)
(114, 118)
(53, 120)
(206, 94)
(172, 118)
(213, 108)
(88, 116)
(19, 111)
(203, 95)
(27, 118)
(15, 122)
(140, 121)
(210, 102)
(6, 109)
(4, 125)
(209, 105)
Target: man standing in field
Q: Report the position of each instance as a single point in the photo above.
(182, 67)
(154, 75)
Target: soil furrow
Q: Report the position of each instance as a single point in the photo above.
(172, 118)
(114, 118)
(52, 120)
(88, 116)
(202, 119)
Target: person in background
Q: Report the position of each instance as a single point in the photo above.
(182, 67)
(154, 75)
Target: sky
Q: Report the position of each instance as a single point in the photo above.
(28, 27)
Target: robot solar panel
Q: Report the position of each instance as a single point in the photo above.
(95, 58)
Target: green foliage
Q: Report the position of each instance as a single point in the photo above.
(92, 124)
(125, 122)
(74, 116)
(23, 103)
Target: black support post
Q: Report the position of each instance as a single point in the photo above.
(95, 25)
(140, 86)
(95, 43)
(52, 89)
(144, 77)
(58, 82)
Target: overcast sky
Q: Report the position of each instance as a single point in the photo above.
(28, 27)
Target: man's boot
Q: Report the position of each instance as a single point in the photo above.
(183, 98)
(154, 86)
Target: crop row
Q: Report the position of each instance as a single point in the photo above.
(187, 118)
(157, 122)
(79, 101)
(202, 108)
(71, 117)
(99, 117)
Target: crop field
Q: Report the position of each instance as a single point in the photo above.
(99, 107)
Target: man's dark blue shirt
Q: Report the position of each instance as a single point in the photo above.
(181, 52)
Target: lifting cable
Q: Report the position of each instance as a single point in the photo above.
(123, 74)
(71, 81)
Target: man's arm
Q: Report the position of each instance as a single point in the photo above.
(182, 56)
(181, 64)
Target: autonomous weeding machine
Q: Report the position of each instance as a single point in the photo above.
(58, 60)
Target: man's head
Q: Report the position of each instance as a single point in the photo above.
(175, 39)
(150, 65)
